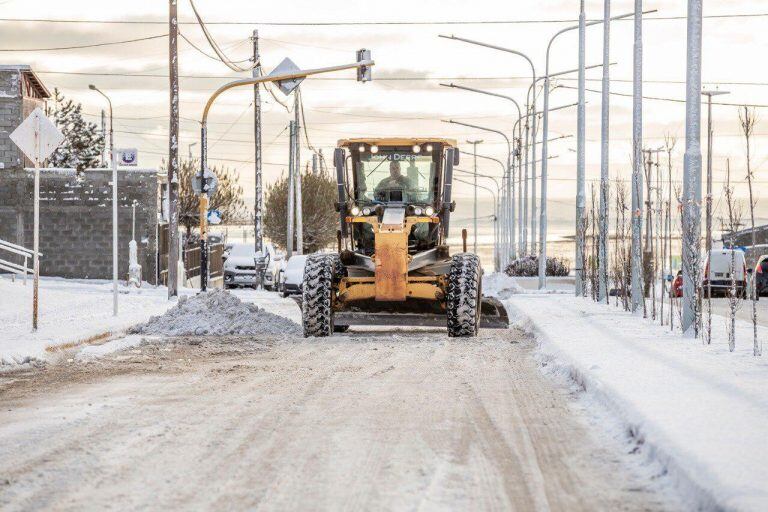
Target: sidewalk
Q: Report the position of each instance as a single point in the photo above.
(71, 312)
(701, 411)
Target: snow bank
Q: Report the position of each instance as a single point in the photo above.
(500, 285)
(216, 313)
(700, 411)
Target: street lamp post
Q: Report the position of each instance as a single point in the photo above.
(515, 236)
(509, 250)
(474, 180)
(529, 105)
(499, 213)
(543, 215)
(710, 134)
(692, 167)
(605, 109)
(113, 160)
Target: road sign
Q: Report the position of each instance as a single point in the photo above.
(214, 217)
(37, 137)
(49, 136)
(285, 67)
(128, 157)
(211, 182)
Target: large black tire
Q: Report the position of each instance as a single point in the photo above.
(463, 298)
(317, 290)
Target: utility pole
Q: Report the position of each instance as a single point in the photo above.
(474, 204)
(692, 168)
(637, 161)
(173, 152)
(297, 170)
(290, 208)
(258, 201)
(605, 134)
(580, 288)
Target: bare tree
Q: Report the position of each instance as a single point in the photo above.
(730, 225)
(748, 120)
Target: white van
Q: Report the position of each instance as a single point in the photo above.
(721, 263)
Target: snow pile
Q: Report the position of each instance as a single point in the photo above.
(500, 285)
(700, 411)
(216, 313)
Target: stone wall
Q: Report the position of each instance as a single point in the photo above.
(76, 219)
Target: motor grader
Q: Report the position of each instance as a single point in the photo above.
(393, 265)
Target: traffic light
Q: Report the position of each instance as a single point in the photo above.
(363, 72)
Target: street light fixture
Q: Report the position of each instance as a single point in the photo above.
(113, 160)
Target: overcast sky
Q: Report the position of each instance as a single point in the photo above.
(339, 107)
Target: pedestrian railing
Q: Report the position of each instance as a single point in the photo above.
(20, 254)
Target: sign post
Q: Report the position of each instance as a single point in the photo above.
(37, 137)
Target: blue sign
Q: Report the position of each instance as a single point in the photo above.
(214, 217)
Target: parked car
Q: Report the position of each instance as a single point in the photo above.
(273, 263)
(240, 266)
(292, 275)
(720, 264)
(761, 276)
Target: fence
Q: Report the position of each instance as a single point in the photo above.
(191, 258)
(21, 253)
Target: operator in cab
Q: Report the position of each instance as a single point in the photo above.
(395, 182)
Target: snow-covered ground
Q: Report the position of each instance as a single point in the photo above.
(71, 312)
(75, 312)
(699, 410)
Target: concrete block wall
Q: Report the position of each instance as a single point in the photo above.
(76, 219)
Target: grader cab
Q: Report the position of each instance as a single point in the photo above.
(393, 266)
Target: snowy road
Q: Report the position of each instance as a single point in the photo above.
(363, 421)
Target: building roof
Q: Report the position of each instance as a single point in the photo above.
(30, 75)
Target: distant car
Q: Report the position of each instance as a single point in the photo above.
(240, 266)
(292, 276)
(761, 276)
(720, 264)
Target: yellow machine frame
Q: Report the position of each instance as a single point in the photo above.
(391, 281)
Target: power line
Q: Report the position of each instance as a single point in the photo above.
(200, 50)
(673, 100)
(82, 46)
(370, 23)
(234, 66)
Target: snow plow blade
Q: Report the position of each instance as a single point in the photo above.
(493, 315)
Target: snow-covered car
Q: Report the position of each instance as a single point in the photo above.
(292, 275)
(272, 271)
(240, 266)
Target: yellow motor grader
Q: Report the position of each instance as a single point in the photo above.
(393, 266)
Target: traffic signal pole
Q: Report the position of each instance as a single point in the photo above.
(363, 66)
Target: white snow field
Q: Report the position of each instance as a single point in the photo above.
(71, 312)
(79, 312)
(699, 410)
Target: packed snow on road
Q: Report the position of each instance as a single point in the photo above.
(219, 402)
